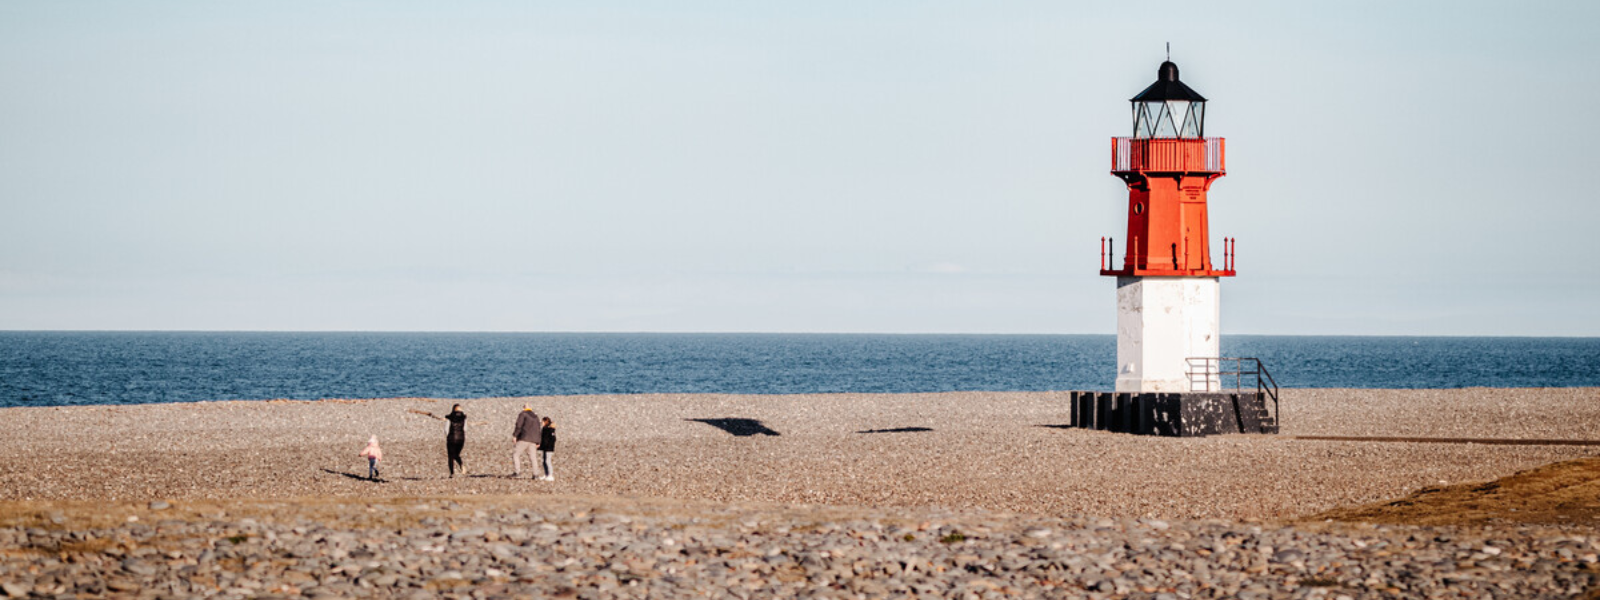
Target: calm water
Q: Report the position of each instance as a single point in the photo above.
(60, 368)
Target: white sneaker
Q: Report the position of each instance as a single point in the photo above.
(548, 478)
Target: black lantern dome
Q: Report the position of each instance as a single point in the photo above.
(1168, 108)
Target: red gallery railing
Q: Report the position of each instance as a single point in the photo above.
(1191, 155)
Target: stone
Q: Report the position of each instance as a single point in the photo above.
(138, 567)
(1288, 556)
(750, 552)
(122, 585)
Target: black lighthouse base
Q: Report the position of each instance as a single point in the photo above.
(1188, 414)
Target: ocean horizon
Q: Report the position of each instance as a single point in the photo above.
(59, 368)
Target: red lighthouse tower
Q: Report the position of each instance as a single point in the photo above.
(1168, 291)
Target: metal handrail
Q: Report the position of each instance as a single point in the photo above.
(1265, 383)
(1131, 260)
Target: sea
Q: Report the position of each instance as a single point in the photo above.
(85, 368)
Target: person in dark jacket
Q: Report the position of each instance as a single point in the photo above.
(547, 446)
(456, 439)
(526, 438)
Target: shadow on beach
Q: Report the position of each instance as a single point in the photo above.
(738, 427)
(360, 477)
(354, 476)
(897, 430)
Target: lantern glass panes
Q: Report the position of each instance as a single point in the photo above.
(1151, 120)
(1141, 120)
(1178, 110)
(1193, 124)
(1166, 124)
(1169, 119)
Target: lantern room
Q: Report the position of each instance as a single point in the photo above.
(1168, 108)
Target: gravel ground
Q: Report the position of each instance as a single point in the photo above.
(996, 451)
(616, 548)
(965, 495)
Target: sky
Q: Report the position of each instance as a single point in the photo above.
(1413, 168)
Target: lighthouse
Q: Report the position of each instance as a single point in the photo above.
(1168, 288)
(1171, 377)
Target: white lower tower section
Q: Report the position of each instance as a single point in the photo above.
(1161, 323)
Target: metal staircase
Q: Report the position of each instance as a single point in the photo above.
(1214, 374)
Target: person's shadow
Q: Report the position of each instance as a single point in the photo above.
(354, 476)
(359, 477)
(738, 427)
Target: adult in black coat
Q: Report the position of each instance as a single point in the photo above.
(547, 446)
(456, 439)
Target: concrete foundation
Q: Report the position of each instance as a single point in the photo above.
(1191, 414)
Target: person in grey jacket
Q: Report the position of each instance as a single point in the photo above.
(526, 439)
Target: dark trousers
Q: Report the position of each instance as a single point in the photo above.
(453, 447)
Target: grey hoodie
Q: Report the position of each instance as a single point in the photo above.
(527, 427)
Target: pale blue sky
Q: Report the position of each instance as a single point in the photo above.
(1394, 168)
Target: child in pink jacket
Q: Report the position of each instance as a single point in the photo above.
(373, 454)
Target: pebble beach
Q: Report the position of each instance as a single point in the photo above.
(951, 495)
